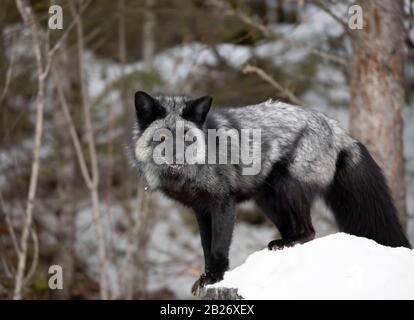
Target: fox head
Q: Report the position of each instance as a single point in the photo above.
(169, 129)
(149, 109)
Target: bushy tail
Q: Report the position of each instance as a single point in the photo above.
(361, 201)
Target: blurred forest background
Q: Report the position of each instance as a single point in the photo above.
(67, 193)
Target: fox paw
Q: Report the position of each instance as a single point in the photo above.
(279, 244)
(206, 279)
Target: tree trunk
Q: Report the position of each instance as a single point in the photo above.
(377, 91)
(148, 45)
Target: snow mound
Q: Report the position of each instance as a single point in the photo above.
(338, 266)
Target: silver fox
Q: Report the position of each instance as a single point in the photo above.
(303, 155)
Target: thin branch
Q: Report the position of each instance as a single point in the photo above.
(9, 225)
(140, 216)
(8, 78)
(72, 130)
(272, 34)
(58, 44)
(35, 258)
(29, 20)
(92, 155)
(148, 45)
(8, 273)
(248, 69)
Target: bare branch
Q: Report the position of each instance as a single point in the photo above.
(29, 20)
(140, 216)
(148, 44)
(92, 154)
(58, 44)
(9, 226)
(74, 135)
(35, 258)
(7, 272)
(269, 79)
(8, 78)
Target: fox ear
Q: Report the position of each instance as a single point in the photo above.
(147, 109)
(196, 110)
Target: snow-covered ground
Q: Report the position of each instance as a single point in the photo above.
(338, 266)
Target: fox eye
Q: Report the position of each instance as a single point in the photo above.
(163, 136)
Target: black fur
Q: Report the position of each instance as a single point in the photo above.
(287, 203)
(196, 110)
(147, 109)
(361, 201)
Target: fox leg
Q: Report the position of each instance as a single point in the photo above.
(287, 203)
(204, 224)
(216, 230)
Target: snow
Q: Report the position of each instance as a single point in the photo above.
(338, 266)
(174, 65)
